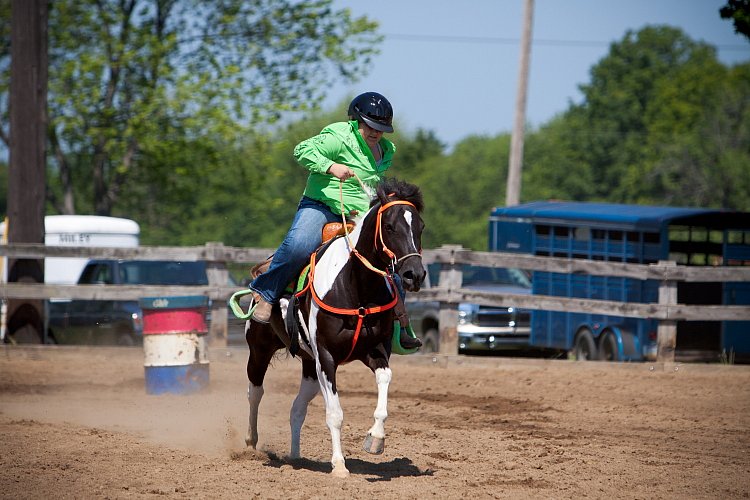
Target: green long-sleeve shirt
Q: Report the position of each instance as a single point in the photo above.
(342, 143)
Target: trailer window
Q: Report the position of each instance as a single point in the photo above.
(738, 237)
(582, 233)
(679, 257)
(651, 238)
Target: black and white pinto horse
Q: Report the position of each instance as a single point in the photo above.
(347, 314)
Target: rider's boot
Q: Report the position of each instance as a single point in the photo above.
(262, 311)
(407, 341)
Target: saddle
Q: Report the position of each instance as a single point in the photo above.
(330, 230)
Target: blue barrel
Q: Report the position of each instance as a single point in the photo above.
(175, 344)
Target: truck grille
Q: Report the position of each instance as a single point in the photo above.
(494, 317)
(502, 317)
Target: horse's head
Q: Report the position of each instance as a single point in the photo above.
(398, 234)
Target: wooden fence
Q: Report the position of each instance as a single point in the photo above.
(667, 311)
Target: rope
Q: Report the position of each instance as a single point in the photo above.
(341, 200)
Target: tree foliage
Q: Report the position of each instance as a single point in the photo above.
(133, 82)
(739, 12)
(461, 188)
(659, 116)
(189, 145)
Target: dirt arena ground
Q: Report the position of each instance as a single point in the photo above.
(77, 423)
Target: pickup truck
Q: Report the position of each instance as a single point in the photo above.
(481, 329)
(115, 322)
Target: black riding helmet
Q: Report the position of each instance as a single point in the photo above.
(373, 109)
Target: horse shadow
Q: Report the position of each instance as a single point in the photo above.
(382, 471)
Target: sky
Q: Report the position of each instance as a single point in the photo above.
(452, 67)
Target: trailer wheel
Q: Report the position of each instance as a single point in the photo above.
(585, 347)
(608, 348)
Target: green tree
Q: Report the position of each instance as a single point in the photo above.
(621, 88)
(555, 164)
(663, 122)
(739, 12)
(708, 163)
(461, 188)
(416, 154)
(132, 82)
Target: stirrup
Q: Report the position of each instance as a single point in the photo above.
(234, 304)
(396, 347)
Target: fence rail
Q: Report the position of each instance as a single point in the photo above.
(449, 294)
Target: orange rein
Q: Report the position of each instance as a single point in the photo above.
(360, 312)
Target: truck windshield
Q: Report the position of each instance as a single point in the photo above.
(483, 275)
(158, 272)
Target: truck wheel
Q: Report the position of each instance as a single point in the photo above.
(585, 347)
(430, 341)
(608, 348)
(27, 334)
(125, 339)
(25, 325)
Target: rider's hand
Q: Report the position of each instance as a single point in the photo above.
(341, 172)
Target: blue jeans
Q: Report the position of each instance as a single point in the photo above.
(303, 238)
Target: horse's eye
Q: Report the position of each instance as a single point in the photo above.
(389, 228)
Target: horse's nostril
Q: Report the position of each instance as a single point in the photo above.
(408, 276)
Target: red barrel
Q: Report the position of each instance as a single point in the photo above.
(175, 344)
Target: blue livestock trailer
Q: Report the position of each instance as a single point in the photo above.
(630, 234)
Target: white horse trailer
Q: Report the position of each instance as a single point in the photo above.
(80, 231)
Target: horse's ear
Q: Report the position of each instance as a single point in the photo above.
(387, 190)
(383, 197)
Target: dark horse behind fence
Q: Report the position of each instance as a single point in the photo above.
(346, 314)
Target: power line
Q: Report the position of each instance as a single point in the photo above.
(515, 41)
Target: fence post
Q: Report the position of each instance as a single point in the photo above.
(451, 278)
(218, 275)
(666, 334)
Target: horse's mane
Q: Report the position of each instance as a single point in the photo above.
(390, 189)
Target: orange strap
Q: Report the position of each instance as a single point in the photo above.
(360, 312)
(379, 232)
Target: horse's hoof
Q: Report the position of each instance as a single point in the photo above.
(374, 445)
(340, 471)
(250, 442)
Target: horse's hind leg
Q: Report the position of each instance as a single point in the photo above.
(375, 439)
(308, 389)
(263, 343)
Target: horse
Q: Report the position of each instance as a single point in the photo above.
(347, 313)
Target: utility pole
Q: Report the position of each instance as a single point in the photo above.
(513, 190)
(26, 176)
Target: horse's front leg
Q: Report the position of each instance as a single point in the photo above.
(334, 413)
(326, 371)
(375, 440)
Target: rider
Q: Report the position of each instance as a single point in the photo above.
(351, 152)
